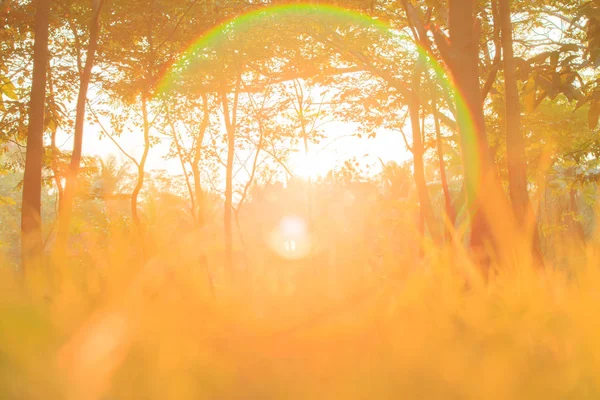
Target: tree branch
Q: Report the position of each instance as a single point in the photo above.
(110, 136)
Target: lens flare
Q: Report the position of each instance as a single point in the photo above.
(291, 238)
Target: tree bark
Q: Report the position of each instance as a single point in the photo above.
(31, 218)
(449, 209)
(66, 205)
(496, 63)
(515, 143)
(419, 169)
(480, 172)
(55, 169)
(55, 151)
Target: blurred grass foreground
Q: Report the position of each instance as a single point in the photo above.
(365, 318)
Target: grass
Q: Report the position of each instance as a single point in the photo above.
(110, 326)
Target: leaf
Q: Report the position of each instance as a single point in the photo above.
(594, 114)
(568, 60)
(52, 125)
(7, 88)
(595, 57)
(567, 78)
(572, 93)
(581, 102)
(555, 86)
(540, 58)
(523, 68)
(9, 201)
(568, 47)
(554, 59)
(529, 95)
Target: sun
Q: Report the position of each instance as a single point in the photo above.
(305, 166)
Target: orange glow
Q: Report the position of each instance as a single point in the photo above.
(310, 201)
(291, 238)
(307, 166)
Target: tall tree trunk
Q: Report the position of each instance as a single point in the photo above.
(418, 150)
(66, 205)
(462, 57)
(199, 195)
(230, 122)
(146, 126)
(449, 209)
(54, 148)
(55, 169)
(515, 143)
(31, 216)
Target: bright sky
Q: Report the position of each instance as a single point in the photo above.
(337, 147)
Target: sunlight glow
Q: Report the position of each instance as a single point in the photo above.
(291, 238)
(290, 245)
(306, 166)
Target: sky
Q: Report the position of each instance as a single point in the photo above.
(335, 148)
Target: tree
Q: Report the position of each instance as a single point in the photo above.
(143, 40)
(461, 53)
(515, 143)
(66, 203)
(448, 206)
(31, 224)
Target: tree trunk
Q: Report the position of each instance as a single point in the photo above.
(55, 169)
(419, 170)
(418, 150)
(449, 209)
(200, 212)
(146, 128)
(31, 218)
(66, 205)
(515, 143)
(480, 173)
(55, 151)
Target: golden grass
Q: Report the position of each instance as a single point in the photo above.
(112, 327)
